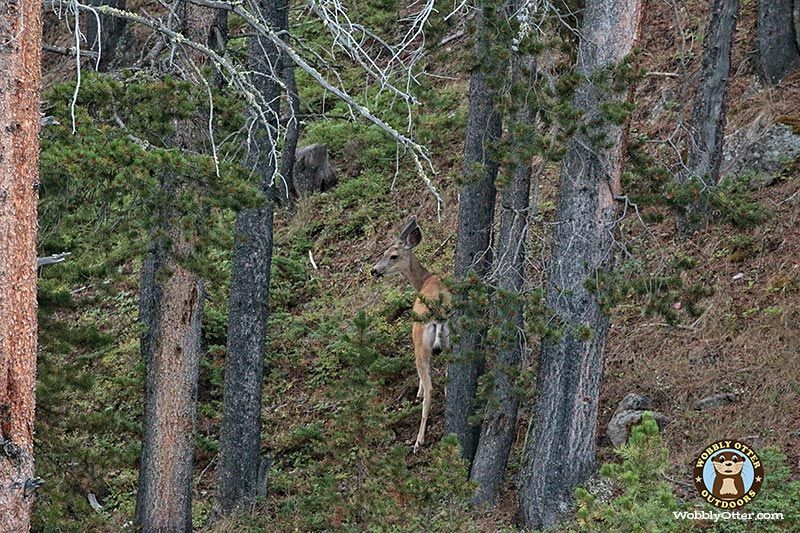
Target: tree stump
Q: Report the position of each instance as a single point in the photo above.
(313, 171)
(776, 42)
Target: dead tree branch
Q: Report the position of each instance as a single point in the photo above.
(239, 78)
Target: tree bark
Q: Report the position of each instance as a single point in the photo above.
(293, 124)
(473, 253)
(110, 32)
(171, 304)
(797, 22)
(500, 419)
(240, 435)
(776, 41)
(20, 61)
(171, 310)
(708, 120)
(560, 450)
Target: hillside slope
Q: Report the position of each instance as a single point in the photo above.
(339, 400)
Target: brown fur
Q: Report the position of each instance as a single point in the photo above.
(728, 483)
(399, 259)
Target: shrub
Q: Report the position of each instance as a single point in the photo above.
(645, 501)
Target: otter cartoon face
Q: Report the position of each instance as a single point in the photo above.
(728, 485)
(728, 463)
(728, 474)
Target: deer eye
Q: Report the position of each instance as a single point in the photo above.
(393, 256)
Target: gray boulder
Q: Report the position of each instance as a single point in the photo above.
(629, 413)
(760, 154)
(716, 400)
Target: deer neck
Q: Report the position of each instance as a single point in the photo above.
(416, 274)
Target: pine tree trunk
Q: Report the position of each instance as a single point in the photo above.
(240, 435)
(293, 126)
(171, 304)
(777, 50)
(473, 253)
(708, 120)
(560, 450)
(105, 38)
(171, 309)
(20, 61)
(500, 419)
(797, 22)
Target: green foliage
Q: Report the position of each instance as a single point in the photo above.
(497, 315)
(649, 184)
(643, 178)
(100, 198)
(349, 473)
(655, 291)
(289, 281)
(86, 433)
(105, 178)
(645, 501)
(730, 201)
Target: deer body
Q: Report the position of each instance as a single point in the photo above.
(429, 333)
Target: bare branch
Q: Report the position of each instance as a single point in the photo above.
(52, 259)
(68, 51)
(240, 79)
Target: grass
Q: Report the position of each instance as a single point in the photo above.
(340, 410)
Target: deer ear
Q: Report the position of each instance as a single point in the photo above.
(414, 237)
(407, 229)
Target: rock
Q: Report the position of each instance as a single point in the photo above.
(629, 413)
(635, 402)
(738, 276)
(717, 400)
(600, 487)
(313, 171)
(762, 155)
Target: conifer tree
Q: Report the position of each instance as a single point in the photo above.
(475, 217)
(498, 428)
(240, 434)
(20, 64)
(708, 119)
(560, 447)
(104, 37)
(292, 117)
(777, 47)
(171, 303)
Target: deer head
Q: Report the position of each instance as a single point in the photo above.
(397, 259)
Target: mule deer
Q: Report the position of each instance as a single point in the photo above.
(429, 332)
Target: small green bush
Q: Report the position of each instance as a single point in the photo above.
(645, 502)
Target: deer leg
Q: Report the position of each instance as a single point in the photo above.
(424, 367)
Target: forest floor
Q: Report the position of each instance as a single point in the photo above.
(746, 340)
